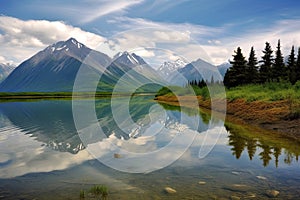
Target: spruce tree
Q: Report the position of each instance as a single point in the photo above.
(252, 69)
(278, 71)
(291, 66)
(236, 74)
(227, 79)
(297, 68)
(267, 61)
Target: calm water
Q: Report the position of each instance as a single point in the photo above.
(43, 157)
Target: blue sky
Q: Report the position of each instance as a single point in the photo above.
(216, 27)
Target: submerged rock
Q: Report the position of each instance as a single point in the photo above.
(235, 197)
(170, 190)
(116, 155)
(237, 188)
(272, 193)
(251, 195)
(261, 177)
(202, 182)
(236, 173)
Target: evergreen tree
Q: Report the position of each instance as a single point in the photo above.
(252, 69)
(236, 74)
(297, 68)
(276, 153)
(265, 155)
(227, 78)
(267, 61)
(278, 71)
(291, 66)
(251, 147)
(212, 81)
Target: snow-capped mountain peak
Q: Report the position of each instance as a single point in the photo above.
(128, 58)
(71, 43)
(169, 67)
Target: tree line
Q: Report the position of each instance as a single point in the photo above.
(201, 83)
(268, 69)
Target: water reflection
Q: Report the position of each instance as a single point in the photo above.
(49, 122)
(266, 148)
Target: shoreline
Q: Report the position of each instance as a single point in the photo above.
(269, 116)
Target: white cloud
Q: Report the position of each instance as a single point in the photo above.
(144, 52)
(213, 44)
(105, 7)
(21, 39)
(29, 156)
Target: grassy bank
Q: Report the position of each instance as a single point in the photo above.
(272, 106)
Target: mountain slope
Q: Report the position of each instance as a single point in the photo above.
(169, 67)
(196, 70)
(128, 70)
(5, 70)
(54, 69)
(223, 68)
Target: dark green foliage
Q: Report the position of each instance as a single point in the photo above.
(82, 194)
(297, 68)
(270, 69)
(99, 191)
(291, 66)
(279, 71)
(236, 75)
(163, 91)
(252, 68)
(267, 62)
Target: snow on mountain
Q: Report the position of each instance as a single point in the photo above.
(129, 59)
(55, 68)
(196, 70)
(169, 67)
(130, 65)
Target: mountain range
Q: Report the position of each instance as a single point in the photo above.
(5, 70)
(55, 68)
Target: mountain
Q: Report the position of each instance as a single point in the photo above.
(169, 67)
(223, 68)
(128, 70)
(5, 70)
(195, 70)
(54, 69)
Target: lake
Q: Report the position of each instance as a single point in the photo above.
(137, 148)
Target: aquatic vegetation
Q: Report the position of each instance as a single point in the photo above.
(99, 191)
(82, 194)
(95, 192)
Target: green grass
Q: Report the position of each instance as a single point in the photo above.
(252, 92)
(265, 92)
(182, 91)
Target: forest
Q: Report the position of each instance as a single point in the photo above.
(270, 68)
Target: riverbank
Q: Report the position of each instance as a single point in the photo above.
(275, 116)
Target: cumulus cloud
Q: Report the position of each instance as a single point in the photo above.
(144, 52)
(21, 39)
(213, 44)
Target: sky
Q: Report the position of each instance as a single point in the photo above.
(191, 29)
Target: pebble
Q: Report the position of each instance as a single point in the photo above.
(251, 195)
(116, 155)
(236, 173)
(237, 188)
(235, 198)
(261, 177)
(202, 182)
(272, 193)
(170, 190)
